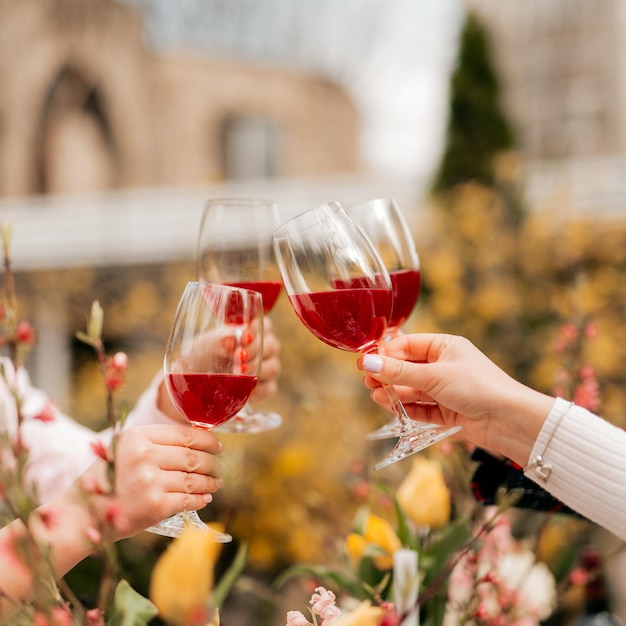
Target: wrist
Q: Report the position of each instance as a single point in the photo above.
(164, 404)
(518, 422)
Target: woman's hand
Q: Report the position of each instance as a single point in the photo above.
(445, 379)
(270, 367)
(160, 470)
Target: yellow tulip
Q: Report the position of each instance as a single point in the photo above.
(182, 578)
(355, 548)
(378, 532)
(423, 494)
(364, 615)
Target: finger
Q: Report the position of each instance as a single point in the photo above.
(394, 371)
(173, 502)
(406, 395)
(423, 347)
(271, 346)
(181, 458)
(190, 482)
(186, 436)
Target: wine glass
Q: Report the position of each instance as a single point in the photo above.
(384, 225)
(340, 289)
(235, 248)
(210, 370)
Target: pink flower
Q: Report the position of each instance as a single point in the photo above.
(116, 368)
(295, 618)
(329, 614)
(94, 617)
(99, 449)
(24, 332)
(49, 518)
(114, 515)
(60, 616)
(587, 394)
(390, 615)
(47, 414)
(362, 490)
(578, 576)
(113, 380)
(591, 330)
(119, 362)
(323, 604)
(481, 612)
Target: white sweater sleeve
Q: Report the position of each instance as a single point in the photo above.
(582, 462)
(146, 411)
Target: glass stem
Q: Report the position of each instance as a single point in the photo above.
(407, 424)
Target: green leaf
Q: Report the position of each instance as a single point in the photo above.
(446, 542)
(228, 580)
(403, 530)
(131, 608)
(436, 610)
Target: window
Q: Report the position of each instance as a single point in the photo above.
(250, 148)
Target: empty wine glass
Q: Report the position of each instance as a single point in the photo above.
(235, 248)
(386, 228)
(211, 370)
(340, 289)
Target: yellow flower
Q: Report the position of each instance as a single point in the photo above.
(423, 494)
(182, 578)
(377, 532)
(364, 615)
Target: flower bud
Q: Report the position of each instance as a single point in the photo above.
(182, 578)
(423, 494)
(379, 533)
(25, 333)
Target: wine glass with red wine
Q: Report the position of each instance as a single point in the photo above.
(211, 365)
(235, 248)
(340, 289)
(386, 228)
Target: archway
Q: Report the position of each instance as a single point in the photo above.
(76, 151)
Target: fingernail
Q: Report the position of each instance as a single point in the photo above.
(372, 363)
(207, 497)
(219, 483)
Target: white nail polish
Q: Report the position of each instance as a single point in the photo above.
(372, 363)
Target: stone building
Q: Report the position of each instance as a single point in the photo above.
(107, 149)
(565, 90)
(85, 105)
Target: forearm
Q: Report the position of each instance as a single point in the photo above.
(56, 529)
(517, 420)
(582, 463)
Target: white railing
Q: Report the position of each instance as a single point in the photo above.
(156, 224)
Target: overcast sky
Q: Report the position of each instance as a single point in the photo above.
(393, 56)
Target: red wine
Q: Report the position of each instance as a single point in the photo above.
(209, 399)
(269, 289)
(406, 290)
(348, 319)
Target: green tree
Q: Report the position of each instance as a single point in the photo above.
(477, 128)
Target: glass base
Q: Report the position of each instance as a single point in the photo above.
(249, 420)
(174, 526)
(393, 428)
(415, 441)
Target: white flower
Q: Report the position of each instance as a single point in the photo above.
(533, 581)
